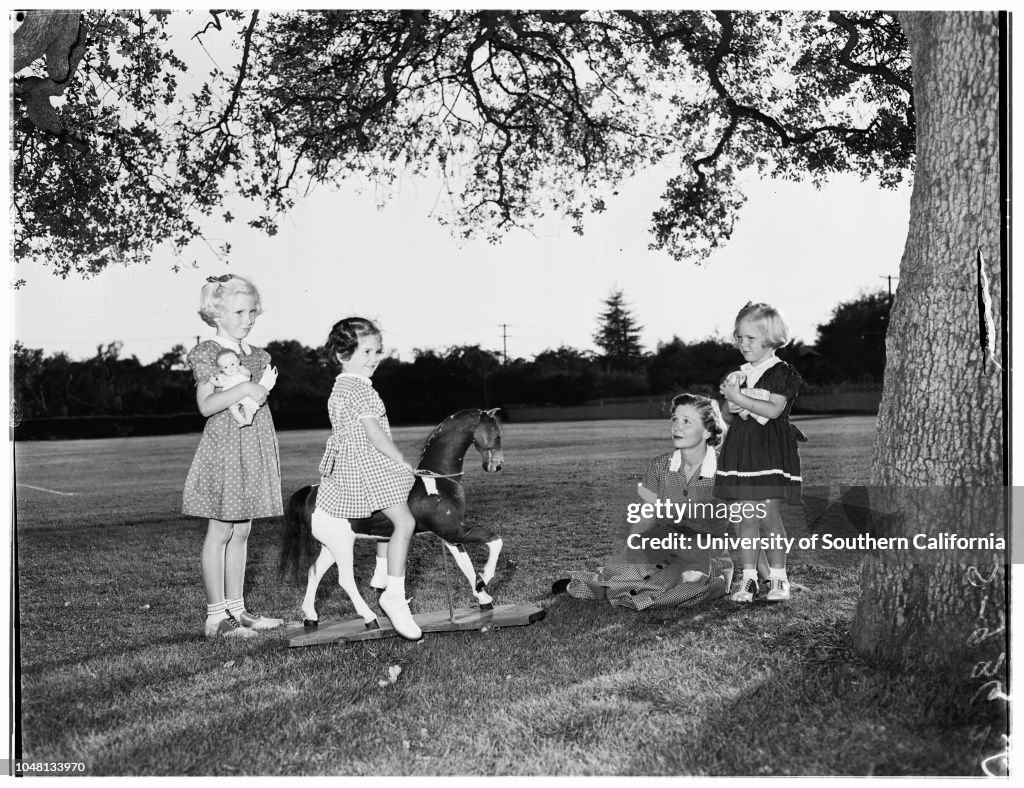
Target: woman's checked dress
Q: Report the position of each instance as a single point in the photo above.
(644, 578)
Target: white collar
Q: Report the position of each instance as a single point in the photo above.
(707, 468)
(239, 347)
(753, 372)
(357, 376)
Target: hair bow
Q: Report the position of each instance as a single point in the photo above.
(224, 278)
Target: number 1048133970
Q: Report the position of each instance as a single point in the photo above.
(47, 767)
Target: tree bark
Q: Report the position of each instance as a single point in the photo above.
(59, 36)
(938, 463)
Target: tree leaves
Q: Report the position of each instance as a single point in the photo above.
(519, 113)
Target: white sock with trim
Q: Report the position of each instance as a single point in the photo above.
(216, 613)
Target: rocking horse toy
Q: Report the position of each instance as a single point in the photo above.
(438, 502)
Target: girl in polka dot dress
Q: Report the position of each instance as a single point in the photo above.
(362, 470)
(235, 475)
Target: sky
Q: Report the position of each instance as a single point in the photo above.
(347, 251)
(339, 254)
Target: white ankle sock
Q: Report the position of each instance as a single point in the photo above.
(236, 606)
(777, 574)
(749, 574)
(396, 586)
(380, 571)
(216, 612)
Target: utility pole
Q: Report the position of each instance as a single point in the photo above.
(504, 343)
(890, 277)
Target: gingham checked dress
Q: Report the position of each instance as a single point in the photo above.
(356, 479)
(645, 578)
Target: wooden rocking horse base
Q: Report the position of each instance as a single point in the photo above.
(464, 618)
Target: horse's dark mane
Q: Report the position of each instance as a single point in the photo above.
(444, 423)
(433, 433)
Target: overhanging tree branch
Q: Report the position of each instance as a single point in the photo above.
(60, 37)
(521, 112)
(845, 55)
(215, 24)
(236, 89)
(736, 111)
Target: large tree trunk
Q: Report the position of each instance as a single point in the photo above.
(938, 462)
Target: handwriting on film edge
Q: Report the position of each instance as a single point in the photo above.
(996, 764)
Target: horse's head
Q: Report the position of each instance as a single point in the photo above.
(487, 439)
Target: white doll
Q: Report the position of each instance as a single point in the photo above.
(231, 374)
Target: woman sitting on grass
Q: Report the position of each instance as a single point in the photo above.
(662, 565)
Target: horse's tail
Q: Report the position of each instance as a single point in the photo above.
(298, 547)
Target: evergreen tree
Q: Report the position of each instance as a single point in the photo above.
(618, 334)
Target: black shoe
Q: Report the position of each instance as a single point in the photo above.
(560, 586)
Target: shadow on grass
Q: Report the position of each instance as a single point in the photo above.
(718, 690)
(122, 649)
(715, 690)
(808, 706)
(825, 712)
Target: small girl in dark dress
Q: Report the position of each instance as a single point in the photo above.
(759, 462)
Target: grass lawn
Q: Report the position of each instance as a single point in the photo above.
(115, 671)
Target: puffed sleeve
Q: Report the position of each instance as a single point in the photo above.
(650, 488)
(203, 361)
(364, 401)
(782, 379)
(263, 359)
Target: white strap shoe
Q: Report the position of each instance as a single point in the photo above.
(397, 609)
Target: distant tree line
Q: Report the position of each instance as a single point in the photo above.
(850, 348)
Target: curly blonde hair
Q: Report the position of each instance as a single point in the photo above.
(770, 321)
(216, 289)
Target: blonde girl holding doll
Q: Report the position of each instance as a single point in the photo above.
(759, 462)
(235, 475)
(362, 471)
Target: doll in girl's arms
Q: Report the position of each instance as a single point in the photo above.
(231, 373)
